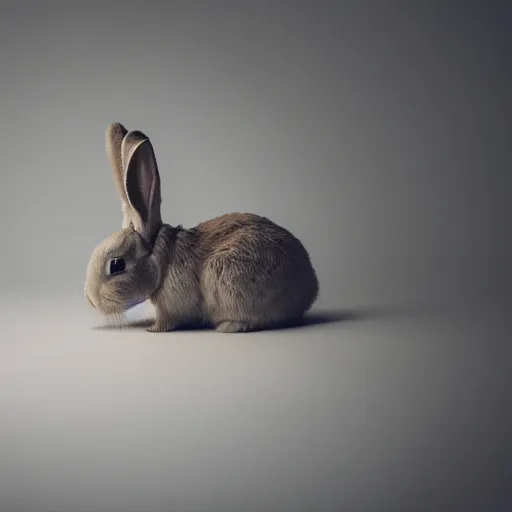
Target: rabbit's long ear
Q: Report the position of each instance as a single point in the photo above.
(114, 136)
(142, 184)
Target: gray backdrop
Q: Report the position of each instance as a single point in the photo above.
(378, 133)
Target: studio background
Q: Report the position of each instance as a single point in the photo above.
(378, 133)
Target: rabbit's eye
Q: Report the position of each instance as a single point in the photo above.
(116, 266)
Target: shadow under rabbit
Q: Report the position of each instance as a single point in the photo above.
(311, 319)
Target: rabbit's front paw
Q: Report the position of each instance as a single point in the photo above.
(161, 326)
(231, 327)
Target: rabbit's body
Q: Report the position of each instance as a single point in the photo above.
(237, 272)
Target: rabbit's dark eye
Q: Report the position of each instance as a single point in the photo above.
(117, 265)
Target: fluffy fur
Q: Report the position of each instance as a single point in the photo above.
(237, 272)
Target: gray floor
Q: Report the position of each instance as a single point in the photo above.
(388, 409)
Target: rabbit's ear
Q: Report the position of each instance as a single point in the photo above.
(114, 136)
(142, 184)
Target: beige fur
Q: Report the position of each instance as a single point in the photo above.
(238, 272)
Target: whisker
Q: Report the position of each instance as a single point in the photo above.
(117, 320)
(122, 321)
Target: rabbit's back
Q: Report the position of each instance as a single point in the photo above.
(254, 272)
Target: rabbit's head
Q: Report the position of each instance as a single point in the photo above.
(119, 274)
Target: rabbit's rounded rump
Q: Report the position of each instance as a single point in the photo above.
(256, 274)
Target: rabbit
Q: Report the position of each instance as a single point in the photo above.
(238, 272)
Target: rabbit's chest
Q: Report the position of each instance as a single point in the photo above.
(180, 293)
